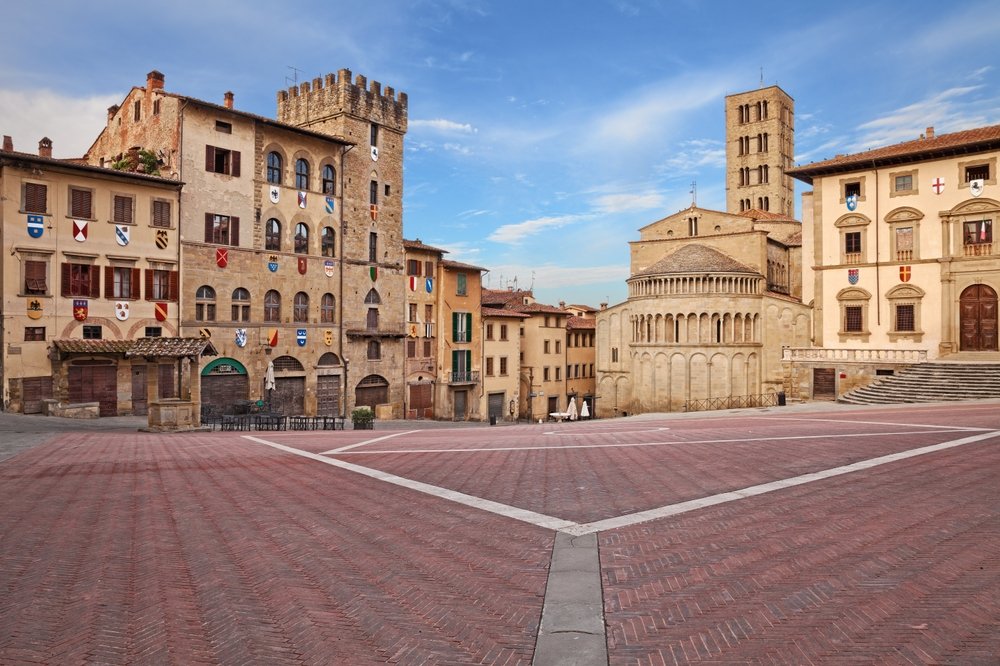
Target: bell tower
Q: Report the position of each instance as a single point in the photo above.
(760, 146)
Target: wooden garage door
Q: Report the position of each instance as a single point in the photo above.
(95, 383)
(372, 390)
(223, 390)
(496, 406)
(421, 401)
(328, 395)
(33, 391)
(289, 395)
(824, 383)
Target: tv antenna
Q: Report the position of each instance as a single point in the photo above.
(694, 193)
(294, 78)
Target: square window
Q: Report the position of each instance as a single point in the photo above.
(122, 208)
(852, 188)
(905, 320)
(34, 333)
(853, 322)
(92, 333)
(977, 172)
(978, 232)
(81, 203)
(224, 127)
(852, 242)
(35, 277)
(154, 331)
(903, 183)
(35, 198)
(161, 213)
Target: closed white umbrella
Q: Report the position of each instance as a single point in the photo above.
(584, 411)
(269, 377)
(571, 410)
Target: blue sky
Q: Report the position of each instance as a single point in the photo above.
(543, 134)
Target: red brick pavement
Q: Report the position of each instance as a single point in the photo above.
(589, 484)
(210, 549)
(898, 564)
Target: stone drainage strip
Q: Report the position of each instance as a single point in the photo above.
(572, 630)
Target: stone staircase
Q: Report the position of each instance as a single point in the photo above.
(931, 382)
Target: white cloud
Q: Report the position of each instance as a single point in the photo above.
(71, 122)
(457, 148)
(443, 125)
(631, 201)
(512, 234)
(690, 155)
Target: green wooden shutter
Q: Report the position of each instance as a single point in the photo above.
(454, 327)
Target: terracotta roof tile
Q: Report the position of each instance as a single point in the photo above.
(420, 245)
(78, 346)
(765, 215)
(577, 323)
(697, 259)
(500, 312)
(176, 347)
(505, 296)
(448, 263)
(954, 143)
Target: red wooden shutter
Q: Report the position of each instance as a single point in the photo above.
(209, 219)
(173, 286)
(149, 284)
(210, 158)
(134, 293)
(234, 231)
(95, 282)
(35, 196)
(64, 279)
(235, 155)
(109, 282)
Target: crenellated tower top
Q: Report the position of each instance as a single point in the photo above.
(334, 95)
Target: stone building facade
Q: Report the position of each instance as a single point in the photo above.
(291, 234)
(760, 147)
(501, 363)
(904, 264)
(712, 302)
(422, 321)
(581, 355)
(91, 262)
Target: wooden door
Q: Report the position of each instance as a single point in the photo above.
(33, 391)
(495, 406)
(289, 395)
(95, 383)
(978, 319)
(421, 401)
(140, 400)
(824, 383)
(328, 395)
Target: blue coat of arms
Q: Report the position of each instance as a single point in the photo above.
(852, 201)
(853, 274)
(241, 337)
(36, 226)
(300, 336)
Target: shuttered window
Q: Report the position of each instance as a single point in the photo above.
(122, 209)
(221, 160)
(81, 203)
(461, 327)
(161, 213)
(35, 198)
(80, 280)
(161, 285)
(222, 229)
(34, 277)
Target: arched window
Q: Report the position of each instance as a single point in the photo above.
(241, 304)
(272, 235)
(767, 203)
(329, 180)
(300, 307)
(301, 174)
(272, 306)
(301, 238)
(374, 350)
(274, 168)
(372, 297)
(328, 242)
(204, 304)
(327, 309)
(328, 359)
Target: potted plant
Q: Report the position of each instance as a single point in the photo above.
(363, 418)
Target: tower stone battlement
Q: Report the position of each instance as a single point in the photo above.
(310, 103)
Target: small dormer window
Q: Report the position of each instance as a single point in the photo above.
(224, 127)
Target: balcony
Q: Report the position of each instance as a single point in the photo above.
(978, 249)
(464, 377)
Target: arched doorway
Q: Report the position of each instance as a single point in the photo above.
(223, 381)
(978, 318)
(372, 390)
(289, 392)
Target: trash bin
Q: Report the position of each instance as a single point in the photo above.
(493, 419)
(781, 398)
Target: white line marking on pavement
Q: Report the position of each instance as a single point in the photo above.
(911, 425)
(366, 442)
(577, 433)
(721, 498)
(619, 445)
(505, 510)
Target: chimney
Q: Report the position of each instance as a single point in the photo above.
(8, 143)
(45, 147)
(112, 110)
(562, 305)
(228, 96)
(154, 81)
(604, 306)
(930, 132)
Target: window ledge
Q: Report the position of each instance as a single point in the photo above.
(861, 336)
(915, 336)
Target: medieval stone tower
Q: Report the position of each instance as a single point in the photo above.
(760, 146)
(371, 181)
